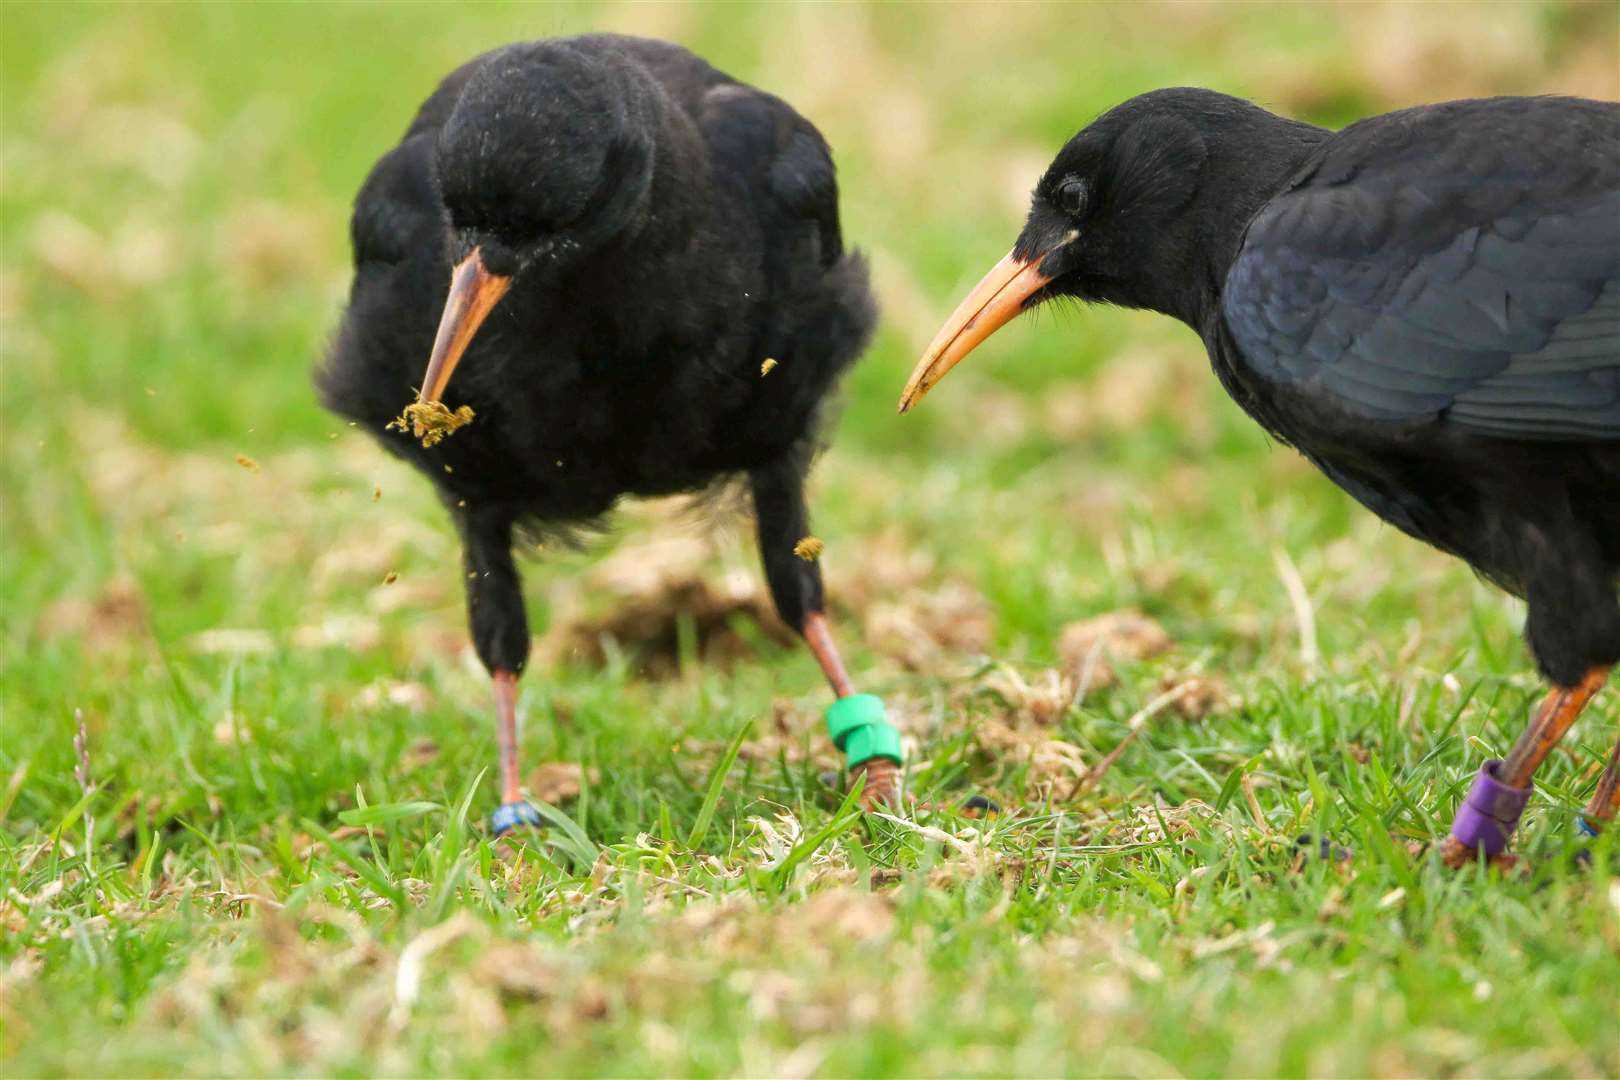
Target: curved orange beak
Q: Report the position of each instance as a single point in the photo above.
(993, 303)
(474, 291)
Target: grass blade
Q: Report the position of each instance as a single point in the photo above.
(717, 779)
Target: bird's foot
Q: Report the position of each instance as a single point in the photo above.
(883, 784)
(1485, 823)
(858, 726)
(1456, 855)
(1320, 848)
(977, 806)
(512, 815)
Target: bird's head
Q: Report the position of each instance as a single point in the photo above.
(546, 158)
(1137, 209)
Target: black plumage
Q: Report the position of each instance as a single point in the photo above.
(1425, 304)
(619, 235)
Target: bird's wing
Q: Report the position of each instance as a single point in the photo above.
(1478, 288)
(397, 213)
(758, 135)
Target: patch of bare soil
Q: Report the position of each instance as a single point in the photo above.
(638, 598)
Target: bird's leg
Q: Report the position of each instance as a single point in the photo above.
(882, 773)
(855, 721)
(819, 640)
(1491, 811)
(506, 735)
(500, 630)
(1605, 802)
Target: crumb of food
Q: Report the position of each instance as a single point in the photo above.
(390, 577)
(766, 367)
(431, 421)
(247, 463)
(809, 549)
(461, 502)
(448, 469)
(376, 493)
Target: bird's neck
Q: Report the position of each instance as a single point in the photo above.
(1247, 169)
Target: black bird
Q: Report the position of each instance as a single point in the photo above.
(605, 240)
(1425, 304)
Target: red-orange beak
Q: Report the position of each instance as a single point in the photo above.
(474, 291)
(993, 303)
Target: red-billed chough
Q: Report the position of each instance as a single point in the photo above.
(604, 240)
(1425, 304)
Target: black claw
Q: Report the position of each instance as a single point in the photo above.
(1322, 848)
(981, 804)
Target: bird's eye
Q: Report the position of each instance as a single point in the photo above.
(1072, 196)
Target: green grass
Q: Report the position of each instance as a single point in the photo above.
(276, 862)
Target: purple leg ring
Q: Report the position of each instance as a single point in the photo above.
(1490, 813)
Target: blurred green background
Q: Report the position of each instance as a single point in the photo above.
(174, 189)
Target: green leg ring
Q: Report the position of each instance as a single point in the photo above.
(858, 726)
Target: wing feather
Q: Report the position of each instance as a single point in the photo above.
(1466, 335)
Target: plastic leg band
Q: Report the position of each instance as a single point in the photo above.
(509, 816)
(858, 726)
(1490, 813)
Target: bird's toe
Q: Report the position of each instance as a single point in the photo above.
(980, 806)
(1456, 855)
(883, 784)
(1308, 847)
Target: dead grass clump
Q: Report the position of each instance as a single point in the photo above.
(1203, 696)
(890, 564)
(1042, 699)
(386, 693)
(1087, 647)
(649, 590)
(557, 782)
(923, 629)
(114, 617)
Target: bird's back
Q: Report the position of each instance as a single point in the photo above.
(647, 378)
(1431, 311)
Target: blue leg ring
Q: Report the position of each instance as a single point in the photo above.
(513, 814)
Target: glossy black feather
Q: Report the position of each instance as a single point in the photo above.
(668, 229)
(1426, 305)
(1459, 263)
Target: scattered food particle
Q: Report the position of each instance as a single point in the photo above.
(247, 463)
(461, 502)
(809, 549)
(390, 577)
(448, 469)
(376, 493)
(765, 368)
(431, 421)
